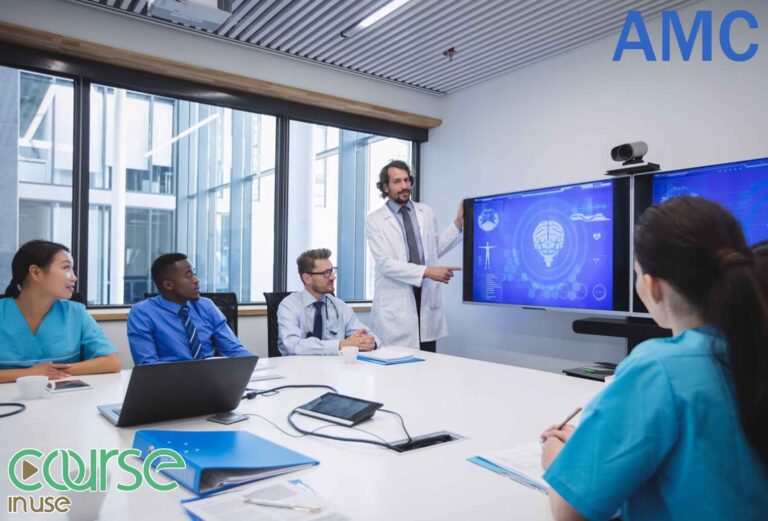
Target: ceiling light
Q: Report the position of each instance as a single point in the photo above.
(373, 18)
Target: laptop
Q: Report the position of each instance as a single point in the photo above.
(174, 390)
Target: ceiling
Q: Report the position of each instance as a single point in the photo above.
(490, 37)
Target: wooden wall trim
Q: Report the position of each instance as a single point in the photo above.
(52, 42)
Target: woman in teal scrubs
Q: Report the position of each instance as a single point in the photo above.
(682, 432)
(42, 332)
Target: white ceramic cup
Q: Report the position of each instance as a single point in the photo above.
(349, 354)
(34, 387)
(86, 505)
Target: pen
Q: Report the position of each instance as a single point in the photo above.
(569, 418)
(281, 504)
(565, 422)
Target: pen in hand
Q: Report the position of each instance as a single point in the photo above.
(569, 418)
(564, 423)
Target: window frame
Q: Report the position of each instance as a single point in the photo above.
(84, 73)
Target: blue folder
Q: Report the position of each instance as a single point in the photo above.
(389, 362)
(489, 465)
(217, 460)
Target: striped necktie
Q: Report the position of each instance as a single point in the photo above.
(195, 347)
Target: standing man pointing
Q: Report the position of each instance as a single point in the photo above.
(405, 244)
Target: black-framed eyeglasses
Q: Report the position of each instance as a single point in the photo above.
(327, 273)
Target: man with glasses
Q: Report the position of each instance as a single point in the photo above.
(313, 321)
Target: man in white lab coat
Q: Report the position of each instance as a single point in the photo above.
(405, 244)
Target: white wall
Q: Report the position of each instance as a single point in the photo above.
(96, 25)
(555, 122)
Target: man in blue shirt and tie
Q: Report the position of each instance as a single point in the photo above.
(313, 321)
(178, 324)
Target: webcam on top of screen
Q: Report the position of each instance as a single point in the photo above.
(631, 156)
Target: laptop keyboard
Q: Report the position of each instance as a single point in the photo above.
(117, 410)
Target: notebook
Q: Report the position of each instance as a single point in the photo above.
(521, 464)
(390, 356)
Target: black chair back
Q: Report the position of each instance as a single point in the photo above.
(226, 302)
(273, 302)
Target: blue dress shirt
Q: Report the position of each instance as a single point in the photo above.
(156, 332)
(295, 319)
(67, 334)
(664, 440)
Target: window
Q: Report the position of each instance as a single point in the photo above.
(163, 169)
(332, 186)
(36, 160)
(174, 175)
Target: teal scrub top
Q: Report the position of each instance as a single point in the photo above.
(67, 334)
(664, 441)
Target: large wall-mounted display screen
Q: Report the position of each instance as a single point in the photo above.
(559, 247)
(741, 187)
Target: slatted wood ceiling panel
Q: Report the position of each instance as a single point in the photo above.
(491, 37)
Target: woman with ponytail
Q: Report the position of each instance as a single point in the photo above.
(682, 432)
(42, 332)
(760, 249)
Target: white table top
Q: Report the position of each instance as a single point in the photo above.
(492, 405)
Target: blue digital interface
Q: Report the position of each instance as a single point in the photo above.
(551, 247)
(741, 187)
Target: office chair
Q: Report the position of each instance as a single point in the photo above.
(226, 302)
(273, 302)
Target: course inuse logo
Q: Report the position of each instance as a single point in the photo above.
(64, 470)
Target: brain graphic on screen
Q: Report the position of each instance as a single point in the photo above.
(488, 220)
(548, 240)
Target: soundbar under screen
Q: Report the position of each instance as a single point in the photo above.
(552, 247)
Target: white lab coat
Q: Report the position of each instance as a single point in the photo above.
(393, 314)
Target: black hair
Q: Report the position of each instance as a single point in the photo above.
(38, 253)
(306, 261)
(160, 267)
(698, 247)
(384, 175)
(760, 249)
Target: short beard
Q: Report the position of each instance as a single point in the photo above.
(322, 290)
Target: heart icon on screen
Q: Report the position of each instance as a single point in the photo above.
(597, 236)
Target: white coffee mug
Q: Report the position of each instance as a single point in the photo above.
(86, 505)
(349, 354)
(34, 387)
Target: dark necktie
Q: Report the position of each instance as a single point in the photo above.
(317, 327)
(195, 347)
(410, 237)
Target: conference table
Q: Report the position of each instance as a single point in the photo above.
(490, 406)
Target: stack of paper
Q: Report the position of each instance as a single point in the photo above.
(390, 356)
(522, 464)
